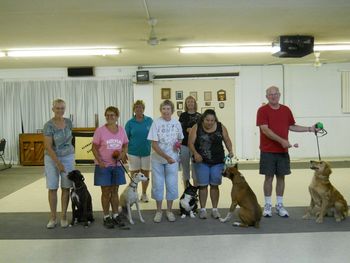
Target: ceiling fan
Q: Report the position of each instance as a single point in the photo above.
(317, 62)
(153, 39)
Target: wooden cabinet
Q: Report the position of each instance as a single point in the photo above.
(31, 146)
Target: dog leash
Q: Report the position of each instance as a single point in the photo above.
(322, 132)
(121, 163)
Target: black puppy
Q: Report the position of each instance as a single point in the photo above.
(188, 201)
(81, 200)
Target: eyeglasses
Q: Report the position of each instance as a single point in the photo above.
(110, 115)
(273, 94)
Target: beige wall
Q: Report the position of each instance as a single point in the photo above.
(226, 115)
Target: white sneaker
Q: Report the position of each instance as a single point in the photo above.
(158, 217)
(170, 216)
(203, 214)
(144, 198)
(281, 211)
(267, 210)
(51, 224)
(215, 214)
(64, 223)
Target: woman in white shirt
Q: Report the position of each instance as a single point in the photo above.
(166, 136)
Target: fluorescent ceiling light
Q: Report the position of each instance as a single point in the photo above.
(263, 48)
(228, 49)
(2, 54)
(61, 52)
(331, 47)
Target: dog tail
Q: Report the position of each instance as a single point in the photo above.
(257, 224)
(124, 210)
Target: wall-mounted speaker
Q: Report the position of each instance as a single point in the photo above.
(80, 71)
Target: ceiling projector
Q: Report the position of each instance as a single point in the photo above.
(295, 46)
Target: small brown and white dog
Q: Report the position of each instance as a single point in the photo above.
(325, 199)
(130, 196)
(242, 195)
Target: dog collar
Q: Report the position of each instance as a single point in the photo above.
(77, 188)
(133, 184)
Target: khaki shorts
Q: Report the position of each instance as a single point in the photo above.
(137, 163)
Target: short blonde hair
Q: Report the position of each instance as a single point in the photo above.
(195, 103)
(113, 109)
(167, 103)
(57, 101)
(138, 102)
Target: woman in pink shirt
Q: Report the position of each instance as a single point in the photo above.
(108, 140)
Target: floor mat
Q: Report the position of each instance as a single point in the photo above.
(33, 226)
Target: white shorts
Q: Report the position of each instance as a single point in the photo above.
(137, 163)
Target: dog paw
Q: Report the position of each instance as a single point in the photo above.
(142, 220)
(223, 220)
(132, 222)
(306, 217)
(183, 216)
(319, 220)
(192, 215)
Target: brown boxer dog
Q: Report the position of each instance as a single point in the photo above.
(242, 195)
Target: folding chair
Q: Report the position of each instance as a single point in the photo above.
(2, 150)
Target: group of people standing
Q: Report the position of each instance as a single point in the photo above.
(195, 140)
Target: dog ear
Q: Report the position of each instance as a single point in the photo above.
(81, 176)
(187, 183)
(327, 169)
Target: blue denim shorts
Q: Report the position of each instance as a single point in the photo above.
(53, 176)
(209, 173)
(111, 175)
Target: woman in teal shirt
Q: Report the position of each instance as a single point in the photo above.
(139, 148)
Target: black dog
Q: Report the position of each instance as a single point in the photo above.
(188, 201)
(81, 200)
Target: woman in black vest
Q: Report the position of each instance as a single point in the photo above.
(205, 142)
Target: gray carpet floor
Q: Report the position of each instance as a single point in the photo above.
(33, 226)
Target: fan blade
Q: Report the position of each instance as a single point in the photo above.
(152, 33)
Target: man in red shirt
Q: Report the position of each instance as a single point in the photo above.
(275, 121)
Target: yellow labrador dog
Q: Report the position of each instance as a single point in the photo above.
(325, 199)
